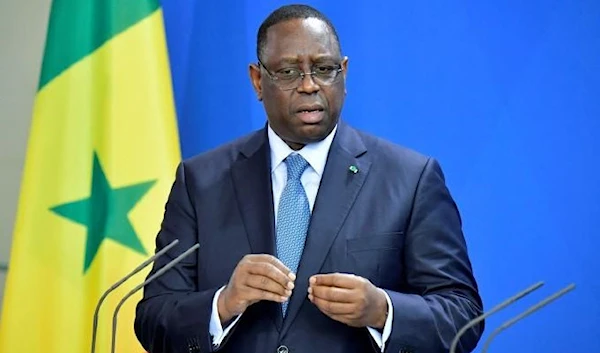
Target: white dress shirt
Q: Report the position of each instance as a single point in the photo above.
(316, 156)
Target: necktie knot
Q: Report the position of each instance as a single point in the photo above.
(296, 165)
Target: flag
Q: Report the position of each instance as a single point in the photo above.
(100, 161)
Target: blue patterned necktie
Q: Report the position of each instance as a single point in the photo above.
(293, 216)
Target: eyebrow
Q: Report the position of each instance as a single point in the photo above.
(318, 58)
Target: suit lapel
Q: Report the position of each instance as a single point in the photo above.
(337, 192)
(251, 175)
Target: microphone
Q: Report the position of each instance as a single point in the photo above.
(528, 312)
(157, 274)
(494, 310)
(121, 281)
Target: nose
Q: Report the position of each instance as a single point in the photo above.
(308, 84)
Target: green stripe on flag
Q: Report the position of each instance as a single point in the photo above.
(76, 29)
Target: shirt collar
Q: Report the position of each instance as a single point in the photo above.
(314, 153)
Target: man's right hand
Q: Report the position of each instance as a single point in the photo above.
(255, 278)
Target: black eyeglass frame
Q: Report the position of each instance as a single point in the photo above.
(295, 83)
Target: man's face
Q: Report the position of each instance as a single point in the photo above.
(308, 111)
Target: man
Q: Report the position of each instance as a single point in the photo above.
(314, 237)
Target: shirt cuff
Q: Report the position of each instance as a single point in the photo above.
(215, 328)
(381, 338)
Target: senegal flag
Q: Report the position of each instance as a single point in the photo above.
(101, 157)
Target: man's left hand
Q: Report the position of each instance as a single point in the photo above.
(349, 299)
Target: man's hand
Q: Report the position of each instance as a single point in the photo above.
(255, 278)
(349, 299)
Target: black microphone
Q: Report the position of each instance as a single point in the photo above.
(494, 310)
(121, 281)
(157, 274)
(528, 312)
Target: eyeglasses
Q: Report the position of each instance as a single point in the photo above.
(290, 78)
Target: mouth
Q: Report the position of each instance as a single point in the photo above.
(311, 114)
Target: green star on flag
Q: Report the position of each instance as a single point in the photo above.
(104, 213)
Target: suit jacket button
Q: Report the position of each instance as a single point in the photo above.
(282, 349)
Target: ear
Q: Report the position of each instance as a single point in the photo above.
(345, 71)
(255, 75)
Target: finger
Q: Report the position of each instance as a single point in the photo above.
(332, 308)
(268, 270)
(267, 284)
(333, 294)
(253, 295)
(275, 262)
(341, 280)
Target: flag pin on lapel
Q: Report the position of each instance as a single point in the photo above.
(353, 169)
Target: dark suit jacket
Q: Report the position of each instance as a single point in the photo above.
(394, 223)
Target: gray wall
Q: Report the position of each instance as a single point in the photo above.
(22, 35)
